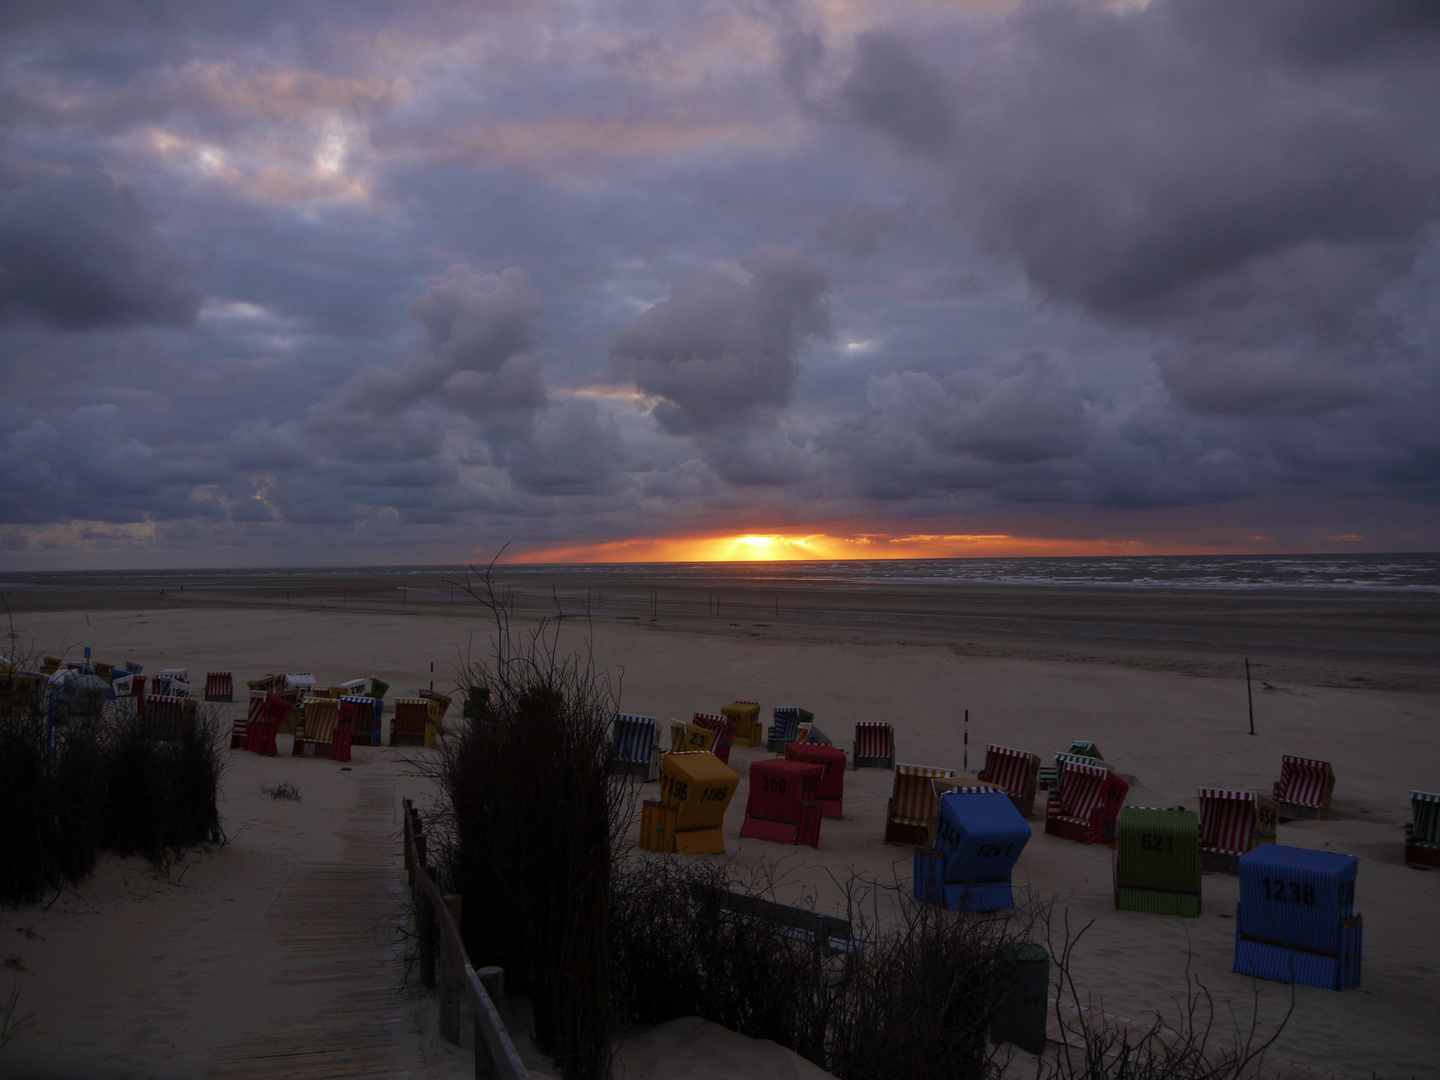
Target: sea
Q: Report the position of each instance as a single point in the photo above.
(1238, 573)
(1370, 573)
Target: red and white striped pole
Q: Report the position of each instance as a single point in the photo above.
(967, 740)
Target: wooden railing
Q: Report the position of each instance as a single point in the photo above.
(438, 922)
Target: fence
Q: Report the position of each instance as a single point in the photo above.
(438, 922)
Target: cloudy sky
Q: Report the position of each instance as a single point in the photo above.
(354, 282)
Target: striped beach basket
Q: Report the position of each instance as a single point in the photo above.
(786, 726)
(1086, 802)
(164, 715)
(267, 713)
(635, 750)
(1304, 789)
(219, 686)
(437, 706)
(913, 803)
(1422, 831)
(407, 726)
(724, 729)
(1157, 861)
(1231, 823)
(366, 726)
(321, 733)
(1016, 772)
(874, 745)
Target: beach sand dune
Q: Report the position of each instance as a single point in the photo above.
(133, 969)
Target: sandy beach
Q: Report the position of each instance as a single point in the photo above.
(138, 974)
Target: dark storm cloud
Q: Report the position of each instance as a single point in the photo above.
(474, 357)
(78, 252)
(970, 429)
(890, 89)
(85, 464)
(570, 450)
(1120, 256)
(717, 352)
(1245, 178)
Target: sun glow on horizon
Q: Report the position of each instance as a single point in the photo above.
(785, 547)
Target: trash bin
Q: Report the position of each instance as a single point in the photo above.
(1024, 1005)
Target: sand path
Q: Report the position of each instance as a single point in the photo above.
(331, 922)
(272, 956)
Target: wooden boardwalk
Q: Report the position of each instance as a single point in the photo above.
(335, 924)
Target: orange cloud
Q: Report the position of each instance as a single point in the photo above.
(779, 547)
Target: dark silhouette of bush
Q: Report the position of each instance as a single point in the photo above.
(70, 792)
(529, 830)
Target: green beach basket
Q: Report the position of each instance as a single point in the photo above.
(1157, 861)
(1086, 748)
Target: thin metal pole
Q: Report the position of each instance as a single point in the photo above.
(967, 740)
(1249, 695)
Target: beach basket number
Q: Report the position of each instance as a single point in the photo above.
(1268, 817)
(1277, 889)
(773, 783)
(672, 790)
(1157, 842)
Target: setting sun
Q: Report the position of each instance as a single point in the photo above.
(781, 547)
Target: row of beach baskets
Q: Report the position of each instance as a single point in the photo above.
(1295, 921)
(329, 720)
(326, 720)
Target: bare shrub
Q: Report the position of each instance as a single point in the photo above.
(912, 1000)
(28, 866)
(921, 999)
(12, 1023)
(163, 795)
(71, 791)
(529, 826)
(1188, 1045)
(283, 790)
(676, 953)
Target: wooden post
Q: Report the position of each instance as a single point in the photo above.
(967, 741)
(409, 841)
(493, 979)
(426, 915)
(424, 912)
(1249, 696)
(452, 988)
